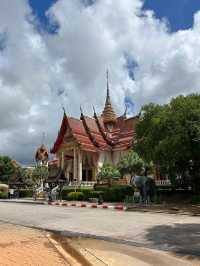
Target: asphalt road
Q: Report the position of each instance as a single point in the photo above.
(177, 233)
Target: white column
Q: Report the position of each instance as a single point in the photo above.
(75, 165)
(62, 160)
(67, 170)
(79, 165)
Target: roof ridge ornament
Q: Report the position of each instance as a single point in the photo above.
(125, 111)
(87, 129)
(104, 135)
(81, 109)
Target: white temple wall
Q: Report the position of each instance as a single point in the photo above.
(110, 157)
(116, 157)
(101, 160)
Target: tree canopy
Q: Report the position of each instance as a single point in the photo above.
(108, 172)
(39, 173)
(131, 164)
(7, 169)
(169, 135)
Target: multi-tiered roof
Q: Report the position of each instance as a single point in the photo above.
(105, 132)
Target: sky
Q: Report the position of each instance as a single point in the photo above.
(55, 53)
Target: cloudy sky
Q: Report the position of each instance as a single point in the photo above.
(55, 53)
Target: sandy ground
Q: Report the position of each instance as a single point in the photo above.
(21, 246)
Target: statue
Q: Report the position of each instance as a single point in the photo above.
(41, 158)
(146, 186)
(42, 155)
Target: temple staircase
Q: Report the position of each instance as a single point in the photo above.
(40, 194)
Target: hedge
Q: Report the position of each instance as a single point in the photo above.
(86, 192)
(115, 193)
(96, 194)
(3, 195)
(195, 199)
(118, 193)
(25, 193)
(75, 196)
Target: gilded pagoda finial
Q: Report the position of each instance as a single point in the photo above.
(107, 79)
(108, 114)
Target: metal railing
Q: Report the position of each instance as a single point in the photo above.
(82, 183)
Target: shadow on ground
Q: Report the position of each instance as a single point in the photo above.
(181, 239)
(192, 210)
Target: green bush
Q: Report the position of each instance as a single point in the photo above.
(195, 199)
(3, 195)
(86, 192)
(75, 196)
(96, 194)
(25, 193)
(157, 199)
(98, 187)
(116, 193)
(66, 190)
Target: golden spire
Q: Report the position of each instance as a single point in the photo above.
(108, 114)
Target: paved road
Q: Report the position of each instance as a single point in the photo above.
(178, 233)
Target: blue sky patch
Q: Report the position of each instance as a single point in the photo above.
(131, 64)
(179, 13)
(129, 104)
(39, 10)
(88, 2)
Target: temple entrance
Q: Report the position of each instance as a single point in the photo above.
(79, 166)
(87, 175)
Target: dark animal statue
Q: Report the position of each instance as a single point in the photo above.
(146, 186)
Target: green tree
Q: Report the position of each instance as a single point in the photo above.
(169, 136)
(7, 169)
(39, 174)
(25, 176)
(108, 172)
(131, 164)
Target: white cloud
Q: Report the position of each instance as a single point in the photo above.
(36, 66)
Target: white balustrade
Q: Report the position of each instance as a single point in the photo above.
(166, 182)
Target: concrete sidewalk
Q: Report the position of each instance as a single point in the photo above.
(24, 200)
(80, 204)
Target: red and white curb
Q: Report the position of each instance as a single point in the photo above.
(85, 205)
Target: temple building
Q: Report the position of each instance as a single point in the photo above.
(84, 145)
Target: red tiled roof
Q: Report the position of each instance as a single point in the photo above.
(91, 134)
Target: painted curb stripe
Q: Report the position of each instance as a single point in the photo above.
(93, 206)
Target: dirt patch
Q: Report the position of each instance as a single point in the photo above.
(21, 246)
